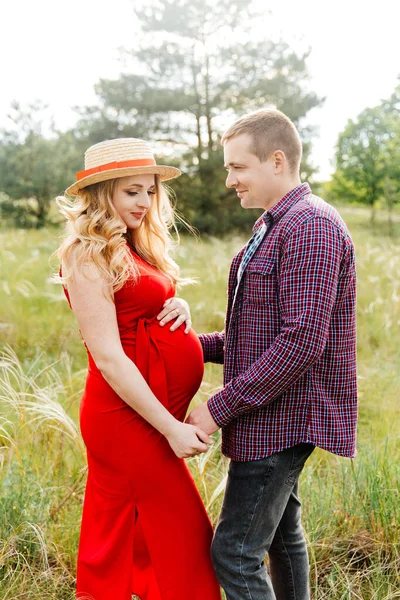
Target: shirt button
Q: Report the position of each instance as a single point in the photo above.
(223, 348)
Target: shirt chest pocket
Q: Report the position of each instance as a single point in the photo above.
(260, 282)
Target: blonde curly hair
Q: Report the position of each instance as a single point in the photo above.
(96, 234)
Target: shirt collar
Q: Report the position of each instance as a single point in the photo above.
(283, 205)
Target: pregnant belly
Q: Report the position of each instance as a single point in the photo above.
(170, 361)
(182, 356)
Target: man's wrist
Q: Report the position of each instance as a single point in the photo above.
(219, 409)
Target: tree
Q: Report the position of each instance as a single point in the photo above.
(189, 78)
(368, 157)
(99, 123)
(360, 170)
(391, 169)
(391, 155)
(34, 168)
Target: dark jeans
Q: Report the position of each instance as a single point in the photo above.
(261, 514)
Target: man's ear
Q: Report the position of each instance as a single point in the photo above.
(279, 161)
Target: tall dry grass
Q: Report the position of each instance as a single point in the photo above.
(351, 508)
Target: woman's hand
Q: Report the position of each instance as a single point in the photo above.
(188, 440)
(178, 309)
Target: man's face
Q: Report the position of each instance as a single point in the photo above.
(254, 181)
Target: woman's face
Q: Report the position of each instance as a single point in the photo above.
(132, 198)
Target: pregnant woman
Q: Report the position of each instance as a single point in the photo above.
(144, 527)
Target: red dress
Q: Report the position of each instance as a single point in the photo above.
(144, 529)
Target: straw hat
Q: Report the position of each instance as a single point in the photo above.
(119, 158)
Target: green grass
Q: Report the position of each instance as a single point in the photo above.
(351, 508)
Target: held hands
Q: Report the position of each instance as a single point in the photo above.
(188, 440)
(201, 417)
(178, 309)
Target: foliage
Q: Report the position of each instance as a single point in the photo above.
(192, 71)
(367, 156)
(33, 168)
(187, 79)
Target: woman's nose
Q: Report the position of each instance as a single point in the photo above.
(144, 200)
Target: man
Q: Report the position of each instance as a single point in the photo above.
(289, 354)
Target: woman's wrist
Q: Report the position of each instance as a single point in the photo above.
(170, 426)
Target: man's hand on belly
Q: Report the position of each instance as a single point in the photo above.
(201, 417)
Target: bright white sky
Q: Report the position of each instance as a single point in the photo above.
(56, 51)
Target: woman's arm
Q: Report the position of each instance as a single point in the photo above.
(92, 302)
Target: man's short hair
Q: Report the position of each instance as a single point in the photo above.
(270, 130)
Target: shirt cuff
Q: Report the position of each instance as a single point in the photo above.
(219, 409)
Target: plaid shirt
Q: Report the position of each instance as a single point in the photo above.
(289, 345)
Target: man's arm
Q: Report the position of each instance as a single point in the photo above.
(308, 281)
(213, 346)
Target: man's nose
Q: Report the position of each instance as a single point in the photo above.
(231, 180)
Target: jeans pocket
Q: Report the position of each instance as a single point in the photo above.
(254, 471)
(300, 454)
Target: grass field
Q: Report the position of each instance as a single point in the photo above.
(351, 508)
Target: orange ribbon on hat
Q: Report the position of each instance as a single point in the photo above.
(140, 162)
